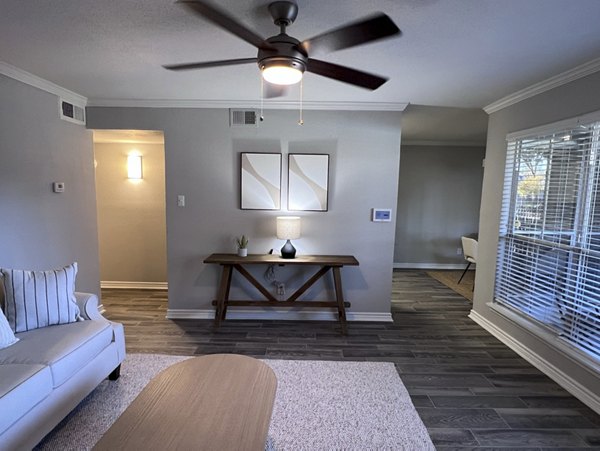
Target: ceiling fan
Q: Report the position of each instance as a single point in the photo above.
(283, 59)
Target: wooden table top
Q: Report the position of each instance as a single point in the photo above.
(214, 402)
(255, 259)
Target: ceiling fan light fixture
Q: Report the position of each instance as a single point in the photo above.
(281, 72)
(282, 59)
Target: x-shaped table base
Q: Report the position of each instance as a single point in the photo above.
(229, 262)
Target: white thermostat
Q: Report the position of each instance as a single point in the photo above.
(382, 215)
(58, 187)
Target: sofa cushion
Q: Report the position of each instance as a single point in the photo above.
(22, 386)
(35, 299)
(7, 336)
(65, 348)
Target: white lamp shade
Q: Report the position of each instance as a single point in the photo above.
(288, 227)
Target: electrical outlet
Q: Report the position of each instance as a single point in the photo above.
(281, 289)
(459, 251)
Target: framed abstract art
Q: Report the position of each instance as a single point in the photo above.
(260, 183)
(308, 182)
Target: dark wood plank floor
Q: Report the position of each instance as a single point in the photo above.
(471, 391)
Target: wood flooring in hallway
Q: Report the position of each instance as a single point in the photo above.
(471, 391)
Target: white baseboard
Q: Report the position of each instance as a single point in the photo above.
(430, 266)
(278, 314)
(572, 386)
(134, 285)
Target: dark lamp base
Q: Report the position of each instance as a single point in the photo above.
(288, 251)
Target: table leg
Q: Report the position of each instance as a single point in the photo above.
(223, 294)
(339, 297)
(309, 283)
(226, 301)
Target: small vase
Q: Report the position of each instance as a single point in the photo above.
(243, 252)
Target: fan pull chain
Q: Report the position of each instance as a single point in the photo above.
(262, 98)
(301, 121)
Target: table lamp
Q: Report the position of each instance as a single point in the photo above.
(288, 228)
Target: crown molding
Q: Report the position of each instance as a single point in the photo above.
(251, 104)
(563, 78)
(127, 141)
(40, 83)
(443, 143)
(70, 96)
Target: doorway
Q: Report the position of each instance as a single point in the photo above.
(131, 208)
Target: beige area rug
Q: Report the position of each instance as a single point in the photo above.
(319, 405)
(450, 279)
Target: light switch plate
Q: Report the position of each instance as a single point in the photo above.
(382, 215)
(58, 187)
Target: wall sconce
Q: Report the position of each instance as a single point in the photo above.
(288, 228)
(134, 167)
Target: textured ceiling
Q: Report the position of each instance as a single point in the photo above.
(460, 53)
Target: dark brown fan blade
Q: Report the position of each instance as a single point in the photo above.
(366, 30)
(225, 21)
(345, 74)
(270, 90)
(187, 66)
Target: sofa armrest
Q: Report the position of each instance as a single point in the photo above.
(88, 305)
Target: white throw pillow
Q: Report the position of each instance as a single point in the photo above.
(7, 336)
(34, 299)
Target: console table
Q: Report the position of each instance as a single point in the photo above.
(229, 262)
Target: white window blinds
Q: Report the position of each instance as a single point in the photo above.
(549, 247)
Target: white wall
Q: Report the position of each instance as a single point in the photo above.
(40, 229)
(132, 231)
(570, 100)
(202, 163)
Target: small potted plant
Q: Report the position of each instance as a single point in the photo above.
(242, 244)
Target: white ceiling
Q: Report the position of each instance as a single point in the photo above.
(459, 53)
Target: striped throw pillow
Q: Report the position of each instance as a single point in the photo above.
(34, 299)
(7, 336)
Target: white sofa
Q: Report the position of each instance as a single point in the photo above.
(50, 370)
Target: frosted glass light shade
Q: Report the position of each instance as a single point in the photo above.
(282, 75)
(288, 227)
(134, 167)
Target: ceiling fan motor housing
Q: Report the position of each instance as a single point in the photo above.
(286, 51)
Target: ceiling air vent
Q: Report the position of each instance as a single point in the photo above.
(70, 112)
(242, 117)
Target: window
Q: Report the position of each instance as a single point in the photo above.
(549, 247)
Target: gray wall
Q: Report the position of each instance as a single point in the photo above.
(439, 194)
(38, 228)
(132, 231)
(570, 100)
(433, 125)
(202, 163)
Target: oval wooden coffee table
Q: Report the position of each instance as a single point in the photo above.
(214, 402)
